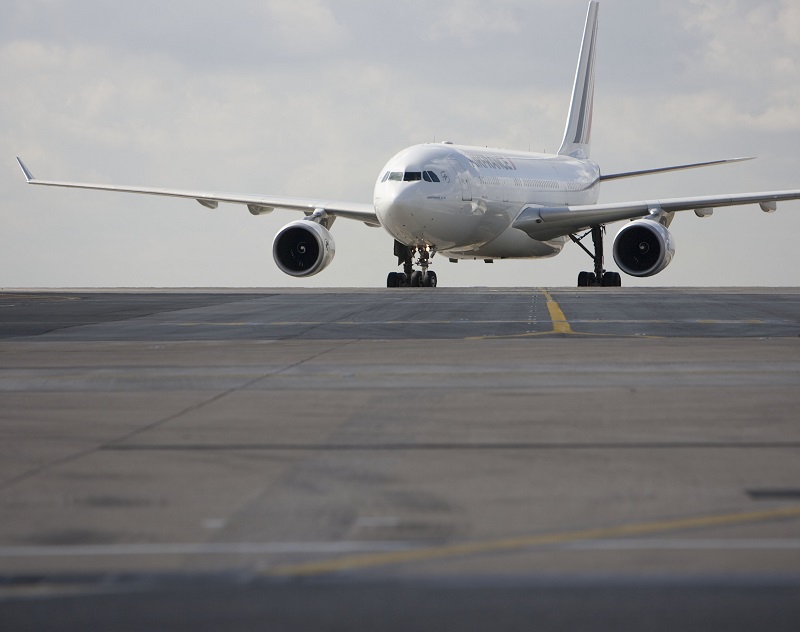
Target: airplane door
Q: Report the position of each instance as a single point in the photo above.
(462, 173)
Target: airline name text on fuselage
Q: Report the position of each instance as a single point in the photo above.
(492, 162)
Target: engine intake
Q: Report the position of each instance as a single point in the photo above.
(303, 248)
(643, 248)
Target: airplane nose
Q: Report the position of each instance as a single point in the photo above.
(407, 197)
(400, 210)
(401, 201)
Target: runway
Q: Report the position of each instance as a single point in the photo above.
(400, 458)
(440, 314)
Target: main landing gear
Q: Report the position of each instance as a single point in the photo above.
(599, 277)
(410, 277)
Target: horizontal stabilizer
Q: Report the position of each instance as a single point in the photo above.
(649, 172)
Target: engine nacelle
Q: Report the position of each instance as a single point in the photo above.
(643, 248)
(303, 248)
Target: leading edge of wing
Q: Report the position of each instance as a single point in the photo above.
(548, 222)
(257, 204)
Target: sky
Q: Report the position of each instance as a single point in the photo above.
(307, 98)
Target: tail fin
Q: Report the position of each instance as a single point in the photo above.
(578, 133)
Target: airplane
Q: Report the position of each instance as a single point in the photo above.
(465, 202)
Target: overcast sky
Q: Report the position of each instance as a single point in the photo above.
(308, 98)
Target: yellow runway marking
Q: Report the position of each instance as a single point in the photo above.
(428, 554)
(561, 326)
(560, 323)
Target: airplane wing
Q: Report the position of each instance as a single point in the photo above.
(544, 223)
(256, 204)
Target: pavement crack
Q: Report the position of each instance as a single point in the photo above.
(119, 441)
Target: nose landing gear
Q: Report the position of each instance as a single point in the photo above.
(410, 277)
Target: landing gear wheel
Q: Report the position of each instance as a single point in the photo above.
(429, 279)
(416, 279)
(612, 279)
(586, 279)
(393, 280)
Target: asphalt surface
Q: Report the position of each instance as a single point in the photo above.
(337, 459)
(441, 314)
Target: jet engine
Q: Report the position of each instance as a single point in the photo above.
(303, 248)
(643, 248)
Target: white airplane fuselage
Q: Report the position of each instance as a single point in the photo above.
(469, 211)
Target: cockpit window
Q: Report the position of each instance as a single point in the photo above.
(410, 176)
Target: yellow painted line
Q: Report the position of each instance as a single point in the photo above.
(560, 323)
(562, 326)
(428, 554)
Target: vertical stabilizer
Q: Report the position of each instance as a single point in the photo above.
(578, 133)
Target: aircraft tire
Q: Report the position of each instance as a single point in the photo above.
(612, 279)
(586, 279)
(429, 280)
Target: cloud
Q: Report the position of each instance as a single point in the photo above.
(309, 98)
(744, 39)
(472, 21)
(302, 26)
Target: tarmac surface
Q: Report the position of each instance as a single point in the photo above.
(593, 458)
